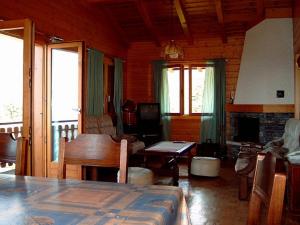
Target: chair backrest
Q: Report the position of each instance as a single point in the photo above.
(93, 150)
(268, 190)
(13, 151)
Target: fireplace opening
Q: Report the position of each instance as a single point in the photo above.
(247, 129)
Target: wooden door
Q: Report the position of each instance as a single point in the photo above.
(64, 100)
(22, 30)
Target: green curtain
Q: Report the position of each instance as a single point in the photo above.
(161, 94)
(118, 93)
(95, 83)
(213, 120)
(208, 119)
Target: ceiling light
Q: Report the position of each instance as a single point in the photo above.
(172, 51)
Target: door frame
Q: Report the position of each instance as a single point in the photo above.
(297, 86)
(28, 72)
(52, 165)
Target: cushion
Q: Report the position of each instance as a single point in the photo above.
(105, 121)
(91, 125)
(291, 134)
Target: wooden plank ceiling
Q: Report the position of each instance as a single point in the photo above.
(190, 20)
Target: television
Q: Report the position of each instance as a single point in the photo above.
(148, 112)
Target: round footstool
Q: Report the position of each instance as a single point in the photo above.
(139, 175)
(205, 166)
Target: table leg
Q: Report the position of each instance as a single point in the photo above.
(175, 173)
(190, 156)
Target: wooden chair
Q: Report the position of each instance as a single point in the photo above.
(13, 151)
(268, 189)
(93, 150)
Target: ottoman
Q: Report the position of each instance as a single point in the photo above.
(205, 166)
(139, 175)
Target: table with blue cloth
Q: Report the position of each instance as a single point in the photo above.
(32, 200)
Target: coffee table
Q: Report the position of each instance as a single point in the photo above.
(166, 154)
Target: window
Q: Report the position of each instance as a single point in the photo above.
(186, 86)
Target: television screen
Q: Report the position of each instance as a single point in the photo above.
(148, 111)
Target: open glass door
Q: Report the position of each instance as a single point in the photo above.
(16, 63)
(64, 83)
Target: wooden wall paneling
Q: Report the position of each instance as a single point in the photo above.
(296, 21)
(140, 55)
(185, 128)
(296, 29)
(76, 23)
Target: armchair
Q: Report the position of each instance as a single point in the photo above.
(285, 146)
(104, 125)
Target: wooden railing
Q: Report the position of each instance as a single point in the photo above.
(13, 127)
(64, 128)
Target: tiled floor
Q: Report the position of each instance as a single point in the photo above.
(214, 201)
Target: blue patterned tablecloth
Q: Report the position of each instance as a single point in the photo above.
(31, 200)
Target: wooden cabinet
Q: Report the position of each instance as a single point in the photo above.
(293, 186)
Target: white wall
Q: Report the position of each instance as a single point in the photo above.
(267, 64)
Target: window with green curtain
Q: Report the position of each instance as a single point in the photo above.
(95, 90)
(161, 94)
(213, 118)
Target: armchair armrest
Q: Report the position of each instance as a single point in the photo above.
(275, 143)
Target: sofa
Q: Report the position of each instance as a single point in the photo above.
(104, 125)
(286, 146)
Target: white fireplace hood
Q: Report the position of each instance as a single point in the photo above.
(267, 64)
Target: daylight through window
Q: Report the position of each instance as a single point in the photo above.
(186, 88)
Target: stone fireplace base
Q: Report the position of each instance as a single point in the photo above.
(271, 126)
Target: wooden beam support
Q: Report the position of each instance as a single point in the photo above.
(219, 11)
(183, 20)
(146, 18)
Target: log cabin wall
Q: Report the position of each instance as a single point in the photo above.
(296, 15)
(296, 29)
(68, 19)
(138, 79)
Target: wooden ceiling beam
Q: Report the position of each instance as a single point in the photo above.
(146, 18)
(220, 15)
(183, 20)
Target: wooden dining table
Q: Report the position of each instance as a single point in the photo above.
(32, 200)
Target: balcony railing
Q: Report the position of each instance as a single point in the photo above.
(13, 127)
(63, 128)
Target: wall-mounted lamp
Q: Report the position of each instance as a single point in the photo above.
(55, 39)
